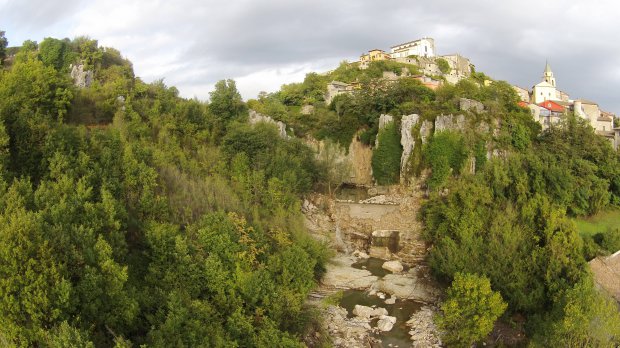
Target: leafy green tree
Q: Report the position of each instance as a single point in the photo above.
(386, 156)
(585, 317)
(55, 53)
(226, 104)
(32, 97)
(470, 310)
(3, 44)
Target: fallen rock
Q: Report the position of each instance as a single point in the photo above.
(341, 275)
(408, 286)
(378, 312)
(393, 266)
(363, 311)
(391, 300)
(347, 332)
(386, 323)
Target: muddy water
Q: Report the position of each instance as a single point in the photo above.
(402, 309)
(352, 193)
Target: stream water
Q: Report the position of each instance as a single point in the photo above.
(402, 309)
(352, 193)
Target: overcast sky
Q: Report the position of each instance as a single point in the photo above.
(263, 44)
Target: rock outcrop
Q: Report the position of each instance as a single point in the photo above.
(411, 285)
(384, 120)
(470, 104)
(81, 78)
(255, 118)
(407, 141)
(340, 275)
(449, 122)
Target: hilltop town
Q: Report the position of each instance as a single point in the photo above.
(547, 103)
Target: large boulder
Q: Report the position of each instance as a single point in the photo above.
(408, 286)
(393, 266)
(363, 311)
(341, 275)
(386, 323)
(379, 311)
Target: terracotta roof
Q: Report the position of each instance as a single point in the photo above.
(607, 273)
(552, 105)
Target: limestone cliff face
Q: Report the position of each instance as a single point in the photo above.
(360, 157)
(255, 117)
(81, 78)
(407, 141)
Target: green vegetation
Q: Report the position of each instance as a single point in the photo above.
(599, 223)
(386, 157)
(130, 216)
(443, 65)
(509, 220)
(3, 44)
(469, 311)
(346, 114)
(445, 154)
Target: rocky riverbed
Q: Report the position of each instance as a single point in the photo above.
(379, 308)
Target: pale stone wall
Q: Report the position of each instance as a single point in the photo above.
(523, 93)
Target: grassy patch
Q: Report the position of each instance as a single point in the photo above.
(601, 222)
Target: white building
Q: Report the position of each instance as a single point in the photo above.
(546, 89)
(422, 48)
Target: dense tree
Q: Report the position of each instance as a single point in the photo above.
(386, 157)
(226, 104)
(3, 45)
(469, 311)
(137, 229)
(55, 53)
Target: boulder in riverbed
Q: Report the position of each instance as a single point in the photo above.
(393, 266)
(386, 323)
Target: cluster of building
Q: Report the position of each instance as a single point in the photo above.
(420, 53)
(549, 105)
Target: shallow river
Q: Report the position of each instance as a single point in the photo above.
(402, 309)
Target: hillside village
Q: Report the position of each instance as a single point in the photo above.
(546, 102)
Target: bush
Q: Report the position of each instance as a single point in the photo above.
(470, 310)
(443, 65)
